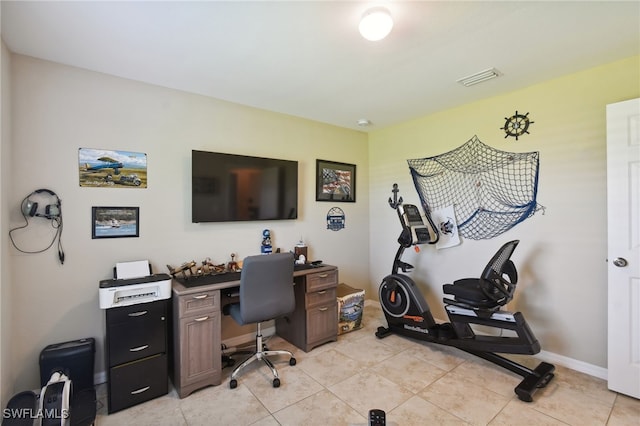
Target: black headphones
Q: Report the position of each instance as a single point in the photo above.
(50, 211)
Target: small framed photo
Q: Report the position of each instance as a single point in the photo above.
(115, 222)
(335, 181)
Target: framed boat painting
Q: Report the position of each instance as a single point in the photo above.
(115, 222)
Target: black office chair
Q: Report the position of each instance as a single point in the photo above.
(493, 289)
(266, 292)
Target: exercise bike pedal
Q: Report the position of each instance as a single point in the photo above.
(382, 332)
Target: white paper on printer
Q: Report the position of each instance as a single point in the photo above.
(127, 270)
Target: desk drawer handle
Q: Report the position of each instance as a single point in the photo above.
(144, 389)
(322, 292)
(202, 319)
(323, 309)
(323, 275)
(138, 314)
(139, 348)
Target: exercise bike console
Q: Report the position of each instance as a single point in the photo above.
(469, 301)
(412, 222)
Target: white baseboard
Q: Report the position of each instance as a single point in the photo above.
(100, 377)
(574, 364)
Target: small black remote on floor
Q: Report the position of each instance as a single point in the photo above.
(377, 418)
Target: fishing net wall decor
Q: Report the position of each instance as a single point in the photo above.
(491, 190)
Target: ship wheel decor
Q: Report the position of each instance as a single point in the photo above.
(516, 125)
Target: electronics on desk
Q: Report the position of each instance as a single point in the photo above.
(133, 284)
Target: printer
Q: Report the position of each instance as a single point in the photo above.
(133, 283)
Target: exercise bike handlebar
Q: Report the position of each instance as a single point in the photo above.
(414, 229)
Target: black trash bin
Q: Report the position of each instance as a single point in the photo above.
(76, 360)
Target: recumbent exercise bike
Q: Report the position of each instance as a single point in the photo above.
(470, 301)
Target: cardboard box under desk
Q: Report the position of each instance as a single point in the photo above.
(350, 308)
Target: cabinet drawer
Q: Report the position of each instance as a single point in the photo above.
(128, 342)
(136, 313)
(326, 297)
(322, 280)
(198, 302)
(322, 323)
(200, 355)
(137, 382)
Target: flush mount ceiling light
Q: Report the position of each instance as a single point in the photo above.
(479, 77)
(376, 24)
(363, 122)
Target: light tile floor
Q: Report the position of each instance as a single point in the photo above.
(415, 383)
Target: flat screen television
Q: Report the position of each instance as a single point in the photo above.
(229, 187)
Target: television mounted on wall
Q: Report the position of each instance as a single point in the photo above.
(230, 187)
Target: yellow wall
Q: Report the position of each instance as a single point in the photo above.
(562, 254)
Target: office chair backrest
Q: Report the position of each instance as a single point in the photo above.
(493, 283)
(266, 287)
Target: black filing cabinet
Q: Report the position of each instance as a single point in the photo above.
(136, 353)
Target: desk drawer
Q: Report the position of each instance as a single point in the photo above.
(322, 324)
(322, 280)
(194, 303)
(137, 382)
(326, 297)
(137, 313)
(128, 342)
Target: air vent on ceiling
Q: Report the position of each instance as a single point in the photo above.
(479, 77)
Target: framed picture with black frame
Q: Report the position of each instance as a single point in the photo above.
(115, 222)
(335, 181)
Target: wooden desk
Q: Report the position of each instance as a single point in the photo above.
(197, 313)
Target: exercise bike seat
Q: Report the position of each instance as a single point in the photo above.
(493, 289)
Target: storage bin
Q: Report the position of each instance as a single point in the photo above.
(350, 308)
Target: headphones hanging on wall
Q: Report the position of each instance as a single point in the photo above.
(51, 211)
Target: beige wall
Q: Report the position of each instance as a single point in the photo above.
(59, 109)
(6, 378)
(562, 254)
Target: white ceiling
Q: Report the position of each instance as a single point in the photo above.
(307, 59)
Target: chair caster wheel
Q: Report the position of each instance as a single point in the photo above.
(276, 383)
(233, 384)
(292, 361)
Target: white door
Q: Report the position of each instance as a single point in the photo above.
(623, 208)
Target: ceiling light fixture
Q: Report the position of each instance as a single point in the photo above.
(479, 77)
(376, 24)
(363, 122)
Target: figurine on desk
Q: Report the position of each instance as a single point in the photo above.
(300, 253)
(208, 267)
(233, 265)
(266, 247)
